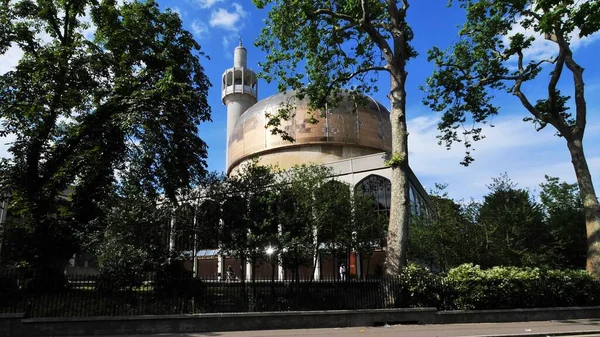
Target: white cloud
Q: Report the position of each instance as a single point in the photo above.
(512, 146)
(177, 10)
(10, 59)
(5, 144)
(227, 39)
(227, 20)
(199, 28)
(207, 3)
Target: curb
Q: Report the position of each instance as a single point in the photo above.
(544, 334)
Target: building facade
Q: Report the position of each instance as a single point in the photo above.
(353, 139)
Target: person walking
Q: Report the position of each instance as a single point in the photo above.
(230, 274)
(342, 272)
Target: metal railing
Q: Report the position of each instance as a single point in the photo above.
(44, 294)
(52, 294)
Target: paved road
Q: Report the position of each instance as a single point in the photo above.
(588, 328)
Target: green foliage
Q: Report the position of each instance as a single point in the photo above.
(396, 160)
(514, 224)
(511, 287)
(509, 228)
(249, 220)
(121, 265)
(446, 237)
(333, 217)
(421, 288)
(469, 287)
(484, 59)
(298, 213)
(325, 49)
(80, 109)
(565, 218)
(332, 44)
(369, 227)
(489, 56)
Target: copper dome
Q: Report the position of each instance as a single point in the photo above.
(346, 131)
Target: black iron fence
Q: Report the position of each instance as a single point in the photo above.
(51, 294)
(45, 294)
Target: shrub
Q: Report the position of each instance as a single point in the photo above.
(511, 287)
(121, 266)
(420, 288)
(174, 280)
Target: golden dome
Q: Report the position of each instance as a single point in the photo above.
(347, 131)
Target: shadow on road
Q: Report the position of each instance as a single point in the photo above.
(591, 321)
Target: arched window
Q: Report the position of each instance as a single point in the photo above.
(237, 77)
(380, 189)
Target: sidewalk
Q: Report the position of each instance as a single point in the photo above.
(587, 327)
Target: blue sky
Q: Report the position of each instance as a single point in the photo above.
(512, 146)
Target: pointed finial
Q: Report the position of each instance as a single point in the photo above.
(240, 38)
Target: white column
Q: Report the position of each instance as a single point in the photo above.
(220, 257)
(172, 233)
(316, 264)
(279, 260)
(221, 266)
(248, 270)
(280, 271)
(195, 250)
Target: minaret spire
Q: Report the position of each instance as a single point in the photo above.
(239, 90)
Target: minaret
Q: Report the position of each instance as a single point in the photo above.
(239, 91)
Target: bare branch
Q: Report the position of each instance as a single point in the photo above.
(558, 123)
(524, 100)
(522, 75)
(552, 97)
(364, 11)
(580, 104)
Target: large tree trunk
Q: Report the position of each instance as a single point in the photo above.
(590, 205)
(397, 234)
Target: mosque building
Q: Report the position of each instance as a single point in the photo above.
(354, 140)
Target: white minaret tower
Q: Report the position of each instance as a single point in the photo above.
(239, 91)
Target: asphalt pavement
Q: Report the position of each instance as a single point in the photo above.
(582, 327)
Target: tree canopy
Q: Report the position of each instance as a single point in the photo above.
(490, 56)
(320, 48)
(82, 109)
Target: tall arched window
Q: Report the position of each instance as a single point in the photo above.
(380, 189)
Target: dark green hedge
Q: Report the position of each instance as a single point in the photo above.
(469, 287)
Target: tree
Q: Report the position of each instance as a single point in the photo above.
(249, 218)
(565, 218)
(333, 219)
(446, 237)
(338, 44)
(133, 237)
(482, 61)
(81, 110)
(369, 227)
(514, 227)
(300, 212)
